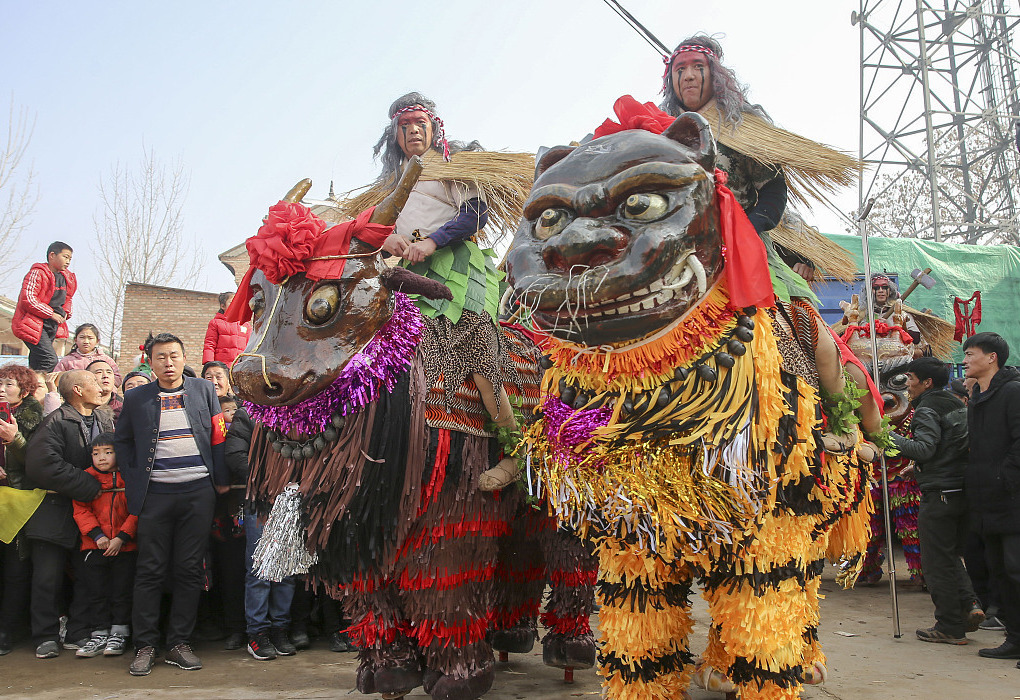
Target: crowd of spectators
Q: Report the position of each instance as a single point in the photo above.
(138, 527)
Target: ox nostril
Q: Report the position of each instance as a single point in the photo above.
(273, 390)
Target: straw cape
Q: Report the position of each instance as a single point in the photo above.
(503, 179)
(812, 169)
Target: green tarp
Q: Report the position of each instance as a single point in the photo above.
(959, 270)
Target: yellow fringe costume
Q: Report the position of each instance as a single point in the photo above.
(691, 454)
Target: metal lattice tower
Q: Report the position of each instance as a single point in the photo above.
(940, 136)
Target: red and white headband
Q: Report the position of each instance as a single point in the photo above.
(686, 48)
(440, 135)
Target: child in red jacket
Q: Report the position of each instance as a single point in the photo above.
(108, 545)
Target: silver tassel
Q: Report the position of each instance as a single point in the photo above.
(281, 551)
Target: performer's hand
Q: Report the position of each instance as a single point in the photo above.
(396, 244)
(222, 489)
(416, 252)
(114, 547)
(57, 317)
(805, 271)
(8, 430)
(103, 542)
(51, 380)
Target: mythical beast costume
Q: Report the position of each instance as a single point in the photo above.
(671, 434)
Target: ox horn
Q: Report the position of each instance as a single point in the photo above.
(387, 211)
(298, 191)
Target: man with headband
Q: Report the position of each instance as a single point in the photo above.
(465, 196)
(760, 159)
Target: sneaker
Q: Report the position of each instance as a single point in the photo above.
(142, 665)
(299, 638)
(936, 636)
(115, 645)
(94, 647)
(47, 650)
(992, 624)
(75, 645)
(283, 646)
(260, 647)
(181, 656)
(235, 640)
(6, 644)
(975, 616)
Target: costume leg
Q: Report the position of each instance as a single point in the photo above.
(447, 565)
(905, 500)
(875, 556)
(389, 659)
(573, 571)
(644, 623)
(519, 581)
(764, 622)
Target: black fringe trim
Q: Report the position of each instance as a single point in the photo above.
(639, 596)
(646, 669)
(743, 671)
(369, 526)
(761, 581)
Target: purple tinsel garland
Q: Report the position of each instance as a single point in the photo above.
(578, 431)
(373, 370)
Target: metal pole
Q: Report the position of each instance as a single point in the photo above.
(862, 225)
(932, 175)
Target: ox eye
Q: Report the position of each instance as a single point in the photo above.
(898, 381)
(551, 222)
(257, 304)
(644, 207)
(322, 304)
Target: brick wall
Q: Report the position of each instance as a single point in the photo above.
(184, 312)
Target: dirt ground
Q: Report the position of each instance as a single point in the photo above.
(865, 663)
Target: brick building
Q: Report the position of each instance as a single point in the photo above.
(150, 308)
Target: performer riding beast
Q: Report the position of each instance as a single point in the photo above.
(674, 434)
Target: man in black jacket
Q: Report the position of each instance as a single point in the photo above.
(56, 459)
(993, 477)
(939, 450)
(169, 444)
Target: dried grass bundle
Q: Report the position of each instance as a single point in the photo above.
(503, 179)
(937, 332)
(806, 240)
(812, 169)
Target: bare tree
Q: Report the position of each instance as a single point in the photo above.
(974, 201)
(18, 193)
(139, 236)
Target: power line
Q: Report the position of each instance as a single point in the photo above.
(641, 29)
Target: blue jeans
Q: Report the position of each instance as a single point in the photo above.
(266, 603)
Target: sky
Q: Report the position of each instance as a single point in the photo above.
(253, 96)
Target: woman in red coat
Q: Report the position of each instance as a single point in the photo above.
(224, 340)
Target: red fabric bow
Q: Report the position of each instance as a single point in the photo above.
(881, 327)
(747, 267)
(293, 241)
(966, 320)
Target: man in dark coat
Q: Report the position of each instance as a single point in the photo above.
(939, 450)
(169, 444)
(993, 477)
(56, 459)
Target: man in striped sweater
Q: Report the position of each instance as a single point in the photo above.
(170, 445)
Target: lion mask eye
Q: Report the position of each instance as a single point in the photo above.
(644, 207)
(322, 304)
(551, 222)
(257, 304)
